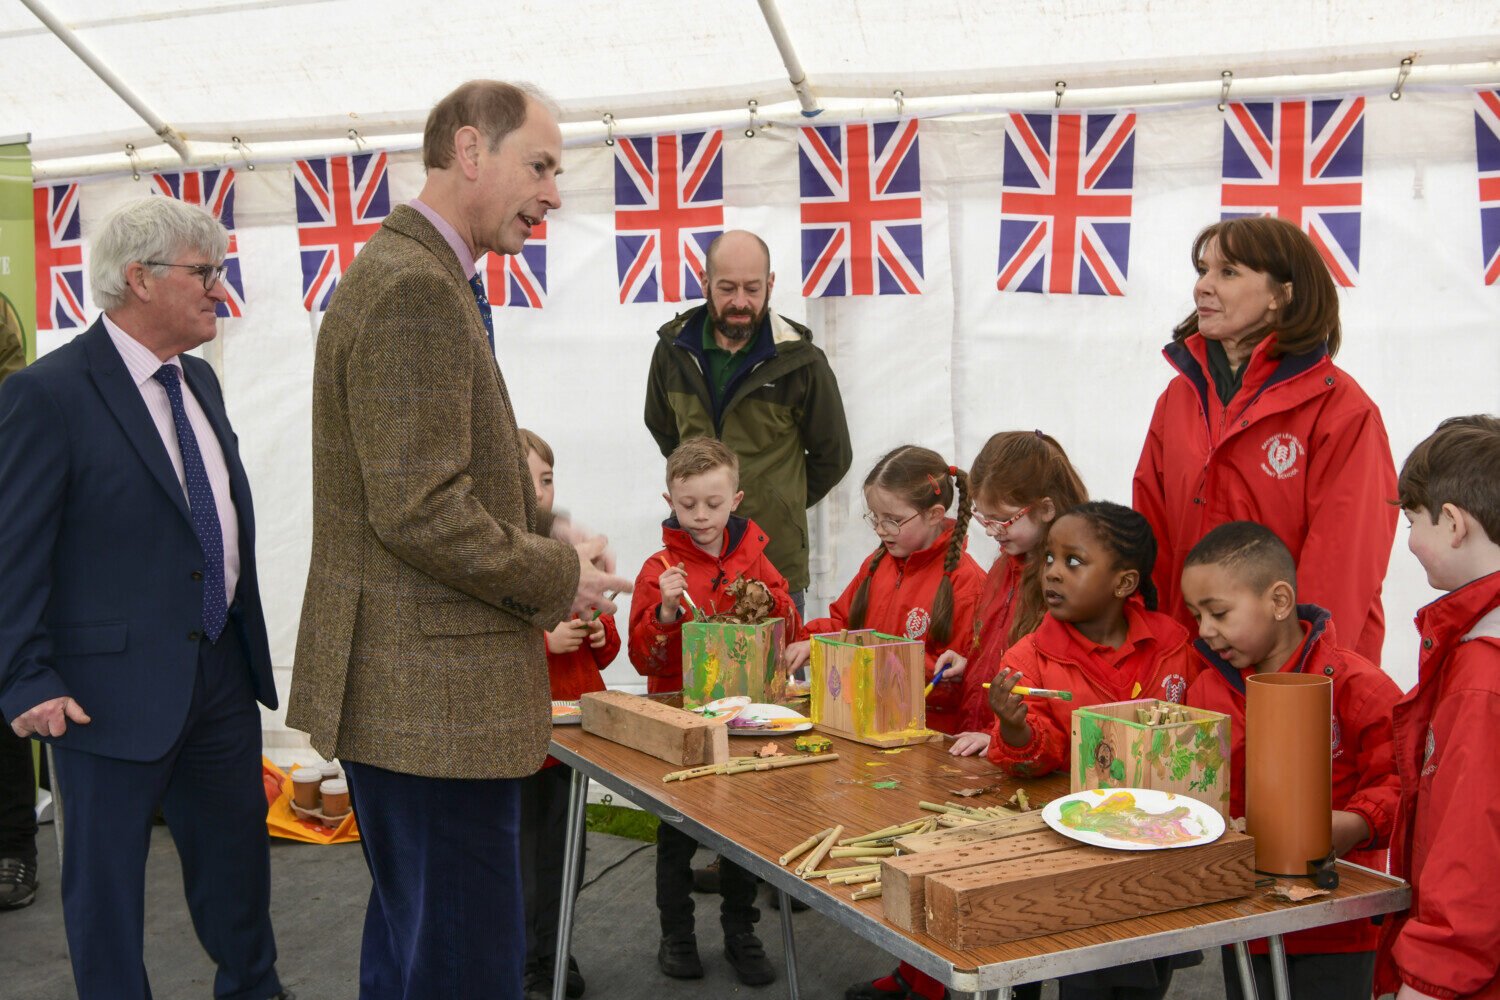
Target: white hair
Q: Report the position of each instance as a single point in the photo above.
(154, 228)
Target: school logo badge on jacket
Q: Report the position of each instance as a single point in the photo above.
(1429, 766)
(917, 620)
(1283, 451)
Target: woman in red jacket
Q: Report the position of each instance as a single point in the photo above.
(1259, 425)
(919, 583)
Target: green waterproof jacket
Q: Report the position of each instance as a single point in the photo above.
(781, 414)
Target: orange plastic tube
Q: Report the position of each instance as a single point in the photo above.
(1289, 771)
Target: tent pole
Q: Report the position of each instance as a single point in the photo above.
(67, 37)
(794, 71)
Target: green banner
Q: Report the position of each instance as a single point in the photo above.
(17, 252)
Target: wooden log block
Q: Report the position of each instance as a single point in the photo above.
(672, 734)
(943, 840)
(1076, 888)
(905, 877)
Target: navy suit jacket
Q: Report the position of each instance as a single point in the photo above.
(101, 584)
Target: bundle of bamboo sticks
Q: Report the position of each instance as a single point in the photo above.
(739, 765)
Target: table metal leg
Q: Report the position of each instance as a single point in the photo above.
(788, 943)
(1280, 983)
(578, 793)
(57, 803)
(1247, 974)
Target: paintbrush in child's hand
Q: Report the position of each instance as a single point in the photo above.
(1022, 690)
(685, 595)
(937, 677)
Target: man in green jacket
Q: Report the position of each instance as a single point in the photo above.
(733, 369)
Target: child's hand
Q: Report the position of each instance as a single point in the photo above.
(1349, 831)
(567, 637)
(970, 744)
(1011, 708)
(795, 655)
(955, 662)
(673, 583)
(596, 634)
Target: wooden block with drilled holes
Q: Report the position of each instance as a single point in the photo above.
(990, 829)
(1071, 889)
(673, 734)
(903, 879)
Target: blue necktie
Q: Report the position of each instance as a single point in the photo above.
(201, 506)
(484, 307)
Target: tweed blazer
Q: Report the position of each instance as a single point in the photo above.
(420, 648)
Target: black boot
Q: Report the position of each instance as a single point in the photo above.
(17, 883)
(678, 957)
(748, 957)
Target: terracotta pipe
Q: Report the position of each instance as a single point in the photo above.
(1289, 771)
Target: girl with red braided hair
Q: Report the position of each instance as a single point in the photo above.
(919, 583)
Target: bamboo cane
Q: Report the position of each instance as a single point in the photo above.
(824, 873)
(898, 830)
(816, 857)
(857, 879)
(854, 852)
(804, 847)
(868, 892)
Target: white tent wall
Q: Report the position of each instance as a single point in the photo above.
(945, 368)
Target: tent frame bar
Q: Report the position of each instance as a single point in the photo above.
(66, 35)
(796, 75)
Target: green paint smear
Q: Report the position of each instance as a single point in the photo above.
(1117, 769)
(885, 784)
(1090, 735)
(1119, 818)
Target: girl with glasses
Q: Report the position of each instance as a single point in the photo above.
(919, 582)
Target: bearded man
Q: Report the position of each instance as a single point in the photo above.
(734, 370)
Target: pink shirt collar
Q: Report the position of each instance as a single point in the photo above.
(460, 248)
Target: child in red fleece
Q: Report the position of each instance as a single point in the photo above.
(1239, 583)
(1447, 740)
(1104, 643)
(577, 653)
(919, 583)
(706, 548)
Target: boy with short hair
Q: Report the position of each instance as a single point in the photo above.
(707, 547)
(1240, 584)
(1447, 729)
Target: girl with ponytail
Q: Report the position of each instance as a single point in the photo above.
(919, 582)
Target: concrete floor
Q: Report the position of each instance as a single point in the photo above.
(318, 903)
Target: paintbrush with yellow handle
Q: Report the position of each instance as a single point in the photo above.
(1025, 691)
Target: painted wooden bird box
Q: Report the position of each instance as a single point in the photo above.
(721, 660)
(1152, 744)
(868, 686)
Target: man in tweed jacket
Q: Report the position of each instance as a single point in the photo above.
(420, 659)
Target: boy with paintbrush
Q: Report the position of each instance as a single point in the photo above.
(1240, 584)
(706, 548)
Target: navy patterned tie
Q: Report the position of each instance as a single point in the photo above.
(201, 506)
(484, 307)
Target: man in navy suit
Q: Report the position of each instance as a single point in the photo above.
(131, 631)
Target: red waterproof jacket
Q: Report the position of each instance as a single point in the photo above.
(1364, 775)
(900, 603)
(656, 649)
(1155, 661)
(572, 675)
(991, 638)
(1447, 836)
(1300, 449)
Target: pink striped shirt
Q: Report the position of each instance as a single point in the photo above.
(142, 364)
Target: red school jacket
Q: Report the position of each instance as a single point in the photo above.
(1364, 775)
(1155, 656)
(991, 638)
(1446, 840)
(656, 649)
(572, 675)
(1300, 449)
(900, 603)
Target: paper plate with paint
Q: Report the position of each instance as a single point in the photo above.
(1134, 819)
(758, 720)
(566, 713)
(724, 709)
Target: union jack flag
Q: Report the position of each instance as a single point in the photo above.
(669, 206)
(861, 209)
(519, 279)
(341, 202)
(59, 258)
(1487, 139)
(1302, 161)
(213, 190)
(1065, 203)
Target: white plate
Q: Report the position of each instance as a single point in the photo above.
(759, 711)
(724, 709)
(1200, 821)
(572, 718)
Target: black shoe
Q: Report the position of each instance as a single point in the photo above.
(748, 956)
(706, 880)
(678, 957)
(869, 991)
(285, 995)
(537, 984)
(17, 883)
(576, 984)
(797, 905)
